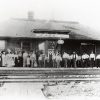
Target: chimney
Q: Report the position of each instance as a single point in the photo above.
(30, 15)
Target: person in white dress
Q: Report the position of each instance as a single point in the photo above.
(10, 59)
(25, 55)
(3, 59)
(28, 61)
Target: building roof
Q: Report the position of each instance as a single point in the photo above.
(24, 28)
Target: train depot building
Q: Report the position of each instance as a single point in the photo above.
(34, 34)
(29, 34)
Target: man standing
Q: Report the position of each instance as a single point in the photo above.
(20, 59)
(98, 60)
(78, 62)
(85, 60)
(92, 59)
(16, 59)
(58, 60)
(41, 59)
(74, 59)
(54, 60)
(70, 60)
(65, 58)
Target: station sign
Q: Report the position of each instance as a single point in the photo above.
(45, 35)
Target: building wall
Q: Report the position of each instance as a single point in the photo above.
(13, 44)
(79, 46)
(98, 49)
(23, 44)
(69, 45)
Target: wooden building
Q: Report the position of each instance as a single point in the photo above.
(34, 34)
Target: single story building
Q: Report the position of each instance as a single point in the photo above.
(34, 34)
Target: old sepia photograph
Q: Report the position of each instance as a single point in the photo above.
(49, 49)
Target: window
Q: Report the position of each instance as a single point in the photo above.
(26, 45)
(42, 46)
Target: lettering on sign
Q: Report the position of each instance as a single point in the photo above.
(52, 35)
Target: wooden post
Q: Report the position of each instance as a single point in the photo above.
(31, 44)
(46, 47)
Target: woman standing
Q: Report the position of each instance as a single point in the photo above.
(28, 61)
(10, 59)
(3, 59)
(0, 59)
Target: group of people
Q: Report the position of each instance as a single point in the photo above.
(85, 60)
(74, 60)
(17, 59)
(54, 60)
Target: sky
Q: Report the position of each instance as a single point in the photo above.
(86, 12)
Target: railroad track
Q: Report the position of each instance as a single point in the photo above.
(48, 74)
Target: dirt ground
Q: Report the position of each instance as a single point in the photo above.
(43, 91)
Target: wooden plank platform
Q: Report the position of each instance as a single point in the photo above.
(48, 74)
